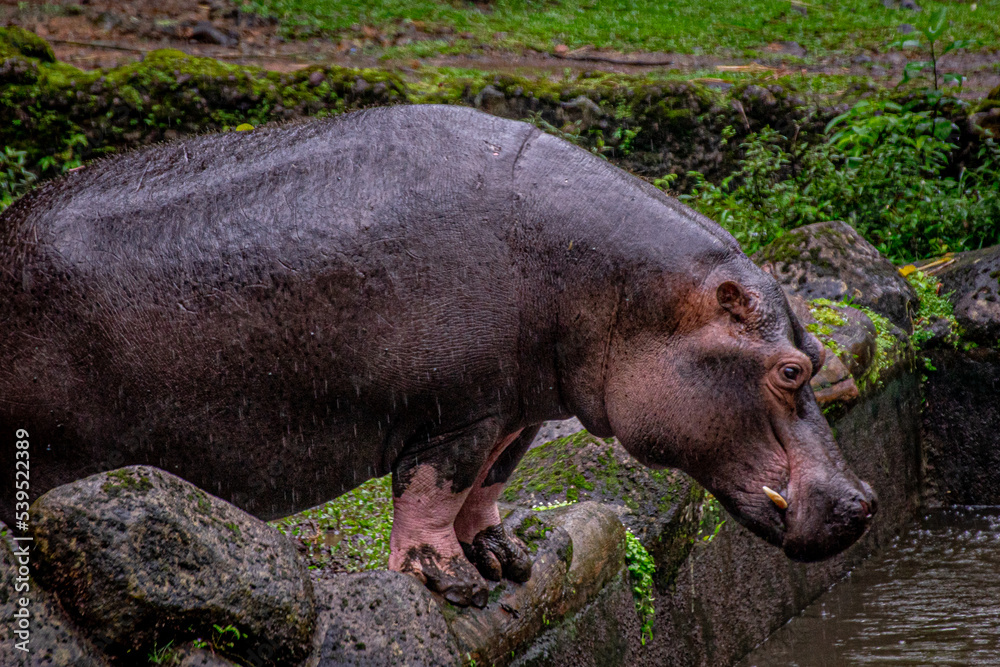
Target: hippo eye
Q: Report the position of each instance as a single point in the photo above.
(792, 373)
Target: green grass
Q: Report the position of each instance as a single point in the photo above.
(349, 533)
(721, 27)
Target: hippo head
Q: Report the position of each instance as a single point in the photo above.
(722, 392)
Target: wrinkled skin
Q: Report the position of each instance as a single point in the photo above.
(278, 316)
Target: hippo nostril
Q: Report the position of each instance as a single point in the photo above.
(866, 510)
(870, 502)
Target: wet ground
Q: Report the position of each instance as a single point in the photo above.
(931, 598)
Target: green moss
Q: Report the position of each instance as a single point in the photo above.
(168, 94)
(827, 313)
(62, 116)
(933, 308)
(348, 533)
(449, 611)
(711, 519)
(672, 547)
(532, 531)
(16, 41)
(785, 249)
(126, 480)
(888, 349)
(609, 471)
(553, 472)
(828, 316)
(641, 568)
(202, 504)
(819, 329)
(497, 592)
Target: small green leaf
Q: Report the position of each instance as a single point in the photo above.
(942, 128)
(937, 25)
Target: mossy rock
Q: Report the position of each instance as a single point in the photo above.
(79, 115)
(16, 41)
(972, 284)
(137, 561)
(663, 508)
(829, 260)
(584, 467)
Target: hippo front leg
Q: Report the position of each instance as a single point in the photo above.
(485, 540)
(423, 542)
(431, 481)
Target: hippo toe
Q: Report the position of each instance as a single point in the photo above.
(496, 553)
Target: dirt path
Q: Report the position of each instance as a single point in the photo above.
(105, 33)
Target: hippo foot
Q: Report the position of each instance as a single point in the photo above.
(496, 553)
(454, 578)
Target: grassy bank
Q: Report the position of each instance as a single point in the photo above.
(723, 27)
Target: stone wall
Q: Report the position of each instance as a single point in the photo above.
(962, 416)
(733, 592)
(717, 593)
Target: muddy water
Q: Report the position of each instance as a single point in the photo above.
(931, 598)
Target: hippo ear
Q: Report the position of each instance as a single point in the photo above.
(734, 298)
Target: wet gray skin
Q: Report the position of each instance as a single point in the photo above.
(279, 315)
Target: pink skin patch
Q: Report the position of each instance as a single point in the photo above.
(479, 511)
(429, 515)
(480, 508)
(424, 515)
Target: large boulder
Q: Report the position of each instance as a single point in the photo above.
(829, 260)
(381, 618)
(39, 627)
(140, 558)
(973, 283)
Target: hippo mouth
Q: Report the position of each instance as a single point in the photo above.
(808, 511)
(811, 526)
(828, 522)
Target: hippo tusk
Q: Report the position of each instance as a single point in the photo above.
(776, 498)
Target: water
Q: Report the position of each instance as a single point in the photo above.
(932, 598)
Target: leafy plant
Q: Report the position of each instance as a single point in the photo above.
(15, 179)
(934, 307)
(224, 639)
(641, 568)
(933, 30)
(66, 159)
(883, 169)
(164, 655)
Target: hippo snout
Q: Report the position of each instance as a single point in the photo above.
(868, 500)
(816, 535)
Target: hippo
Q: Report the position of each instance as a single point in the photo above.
(279, 315)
